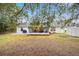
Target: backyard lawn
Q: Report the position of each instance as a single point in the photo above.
(54, 44)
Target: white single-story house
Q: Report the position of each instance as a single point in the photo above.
(23, 28)
(73, 31)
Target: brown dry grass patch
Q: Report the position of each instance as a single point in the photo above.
(24, 45)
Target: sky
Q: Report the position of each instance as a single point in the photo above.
(20, 4)
(66, 15)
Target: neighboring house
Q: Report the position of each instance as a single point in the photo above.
(70, 29)
(73, 29)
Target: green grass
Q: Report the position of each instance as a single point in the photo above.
(54, 44)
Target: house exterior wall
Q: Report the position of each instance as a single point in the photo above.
(59, 30)
(29, 30)
(73, 31)
(19, 30)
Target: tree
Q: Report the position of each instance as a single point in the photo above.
(7, 22)
(74, 11)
